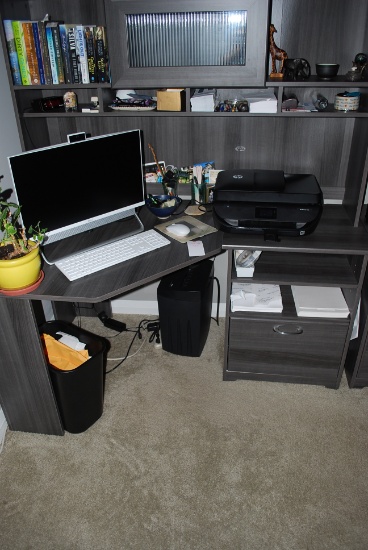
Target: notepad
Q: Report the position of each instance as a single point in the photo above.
(256, 297)
(319, 301)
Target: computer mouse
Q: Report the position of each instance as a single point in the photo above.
(179, 229)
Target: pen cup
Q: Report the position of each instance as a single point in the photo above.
(199, 192)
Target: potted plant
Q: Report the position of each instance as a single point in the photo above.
(20, 259)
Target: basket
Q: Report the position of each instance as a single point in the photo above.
(347, 101)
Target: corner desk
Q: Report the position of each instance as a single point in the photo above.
(26, 394)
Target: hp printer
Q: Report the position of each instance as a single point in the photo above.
(267, 201)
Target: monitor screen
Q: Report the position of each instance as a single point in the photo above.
(75, 187)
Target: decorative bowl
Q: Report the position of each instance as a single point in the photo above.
(166, 207)
(326, 71)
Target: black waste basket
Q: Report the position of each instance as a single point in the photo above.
(79, 392)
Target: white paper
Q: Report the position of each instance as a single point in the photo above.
(255, 297)
(319, 301)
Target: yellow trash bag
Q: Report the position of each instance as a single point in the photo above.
(61, 356)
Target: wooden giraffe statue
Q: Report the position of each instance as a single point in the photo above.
(277, 54)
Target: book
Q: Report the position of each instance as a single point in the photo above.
(31, 52)
(319, 301)
(65, 54)
(81, 52)
(52, 54)
(102, 58)
(21, 52)
(57, 45)
(12, 52)
(256, 297)
(38, 49)
(74, 61)
(45, 52)
(91, 56)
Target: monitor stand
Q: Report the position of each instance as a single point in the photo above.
(92, 238)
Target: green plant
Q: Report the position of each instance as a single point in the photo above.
(15, 240)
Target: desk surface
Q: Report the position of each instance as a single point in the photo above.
(126, 276)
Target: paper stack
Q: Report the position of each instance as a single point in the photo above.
(262, 101)
(256, 297)
(320, 301)
(203, 100)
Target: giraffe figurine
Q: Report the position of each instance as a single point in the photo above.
(277, 54)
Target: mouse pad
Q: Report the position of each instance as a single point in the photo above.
(197, 228)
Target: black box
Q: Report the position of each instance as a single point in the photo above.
(185, 305)
(79, 392)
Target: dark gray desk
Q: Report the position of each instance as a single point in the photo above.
(26, 394)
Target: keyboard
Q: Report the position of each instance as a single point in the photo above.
(93, 260)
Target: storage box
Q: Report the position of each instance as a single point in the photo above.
(171, 99)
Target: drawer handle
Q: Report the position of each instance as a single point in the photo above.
(281, 329)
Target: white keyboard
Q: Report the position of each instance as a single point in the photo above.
(93, 260)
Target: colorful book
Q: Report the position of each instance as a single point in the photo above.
(21, 51)
(74, 60)
(91, 56)
(58, 55)
(52, 54)
(65, 54)
(31, 52)
(102, 60)
(12, 52)
(82, 52)
(37, 44)
(45, 51)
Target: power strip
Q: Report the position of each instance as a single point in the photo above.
(111, 323)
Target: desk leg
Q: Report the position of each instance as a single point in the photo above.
(26, 394)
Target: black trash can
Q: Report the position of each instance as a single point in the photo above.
(79, 392)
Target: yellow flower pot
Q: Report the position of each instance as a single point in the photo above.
(20, 272)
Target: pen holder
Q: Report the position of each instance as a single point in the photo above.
(198, 192)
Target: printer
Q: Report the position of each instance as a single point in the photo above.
(266, 201)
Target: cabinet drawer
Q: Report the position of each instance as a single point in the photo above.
(296, 348)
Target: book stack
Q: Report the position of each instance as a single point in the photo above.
(319, 301)
(256, 297)
(54, 52)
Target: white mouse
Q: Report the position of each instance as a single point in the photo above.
(179, 229)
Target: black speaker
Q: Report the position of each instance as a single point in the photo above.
(185, 305)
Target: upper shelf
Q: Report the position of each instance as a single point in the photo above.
(316, 82)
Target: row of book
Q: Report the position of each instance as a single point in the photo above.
(52, 52)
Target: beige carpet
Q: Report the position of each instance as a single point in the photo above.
(181, 460)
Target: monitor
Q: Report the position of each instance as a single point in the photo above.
(75, 188)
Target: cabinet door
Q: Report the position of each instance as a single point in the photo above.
(293, 350)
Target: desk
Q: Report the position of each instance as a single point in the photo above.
(26, 394)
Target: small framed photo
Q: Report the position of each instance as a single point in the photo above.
(152, 173)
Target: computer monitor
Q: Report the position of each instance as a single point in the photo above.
(74, 188)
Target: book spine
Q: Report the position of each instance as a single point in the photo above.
(76, 77)
(21, 51)
(101, 49)
(12, 52)
(58, 54)
(81, 51)
(38, 52)
(91, 57)
(45, 52)
(31, 52)
(50, 44)
(65, 54)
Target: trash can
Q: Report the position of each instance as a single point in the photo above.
(79, 392)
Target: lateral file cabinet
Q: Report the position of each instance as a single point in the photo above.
(282, 346)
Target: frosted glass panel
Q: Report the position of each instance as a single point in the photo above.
(187, 39)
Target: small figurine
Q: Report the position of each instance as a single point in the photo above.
(353, 74)
(70, 101)
(277, 54)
